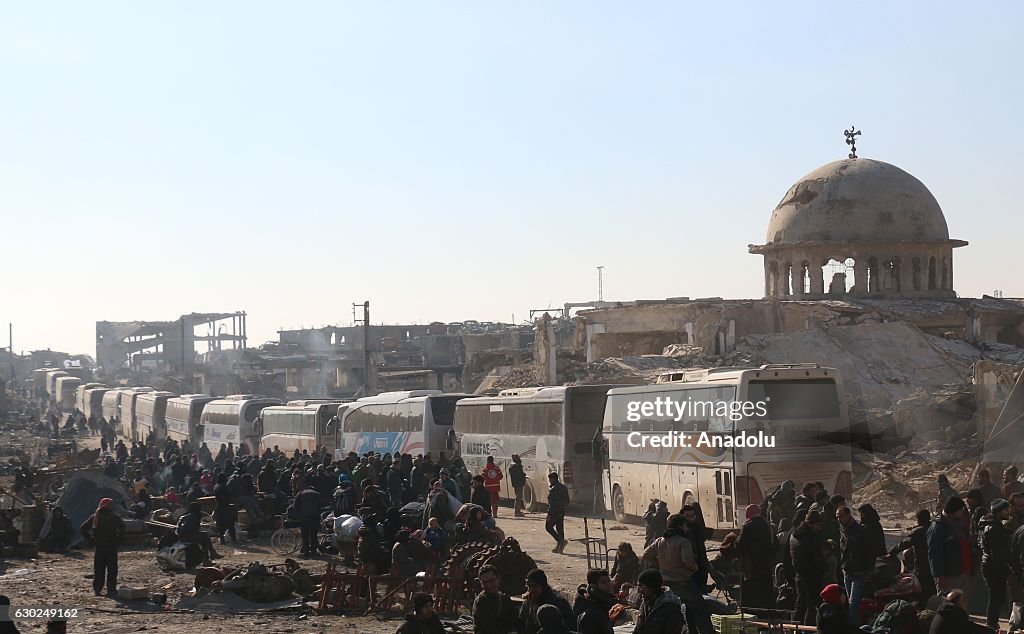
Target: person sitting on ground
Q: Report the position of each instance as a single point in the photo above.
(171, 498)
(660, 609)
(493, 610)
(142, 506)
(539, 593)
(58, 538)
(422, 619)
(626, 567)
(189, 529)
(593, 602)
(834, 612)
(474, 529)
(951, 617)
(550, 619)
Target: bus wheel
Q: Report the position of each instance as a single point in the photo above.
(530, 498)
(618, 505)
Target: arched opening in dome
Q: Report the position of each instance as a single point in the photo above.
(916, 269)
(787, 279)
(891, 274)
(932, 273)
(945, 273)
(805, 278)
(872, 285)
(840, 276)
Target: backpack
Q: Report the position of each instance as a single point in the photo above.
(899, 617)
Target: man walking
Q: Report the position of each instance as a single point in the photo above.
(518, 479)
(558, 502)
(949, 548)
(856, 559)
(106, 529)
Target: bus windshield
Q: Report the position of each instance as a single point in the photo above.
(442, 409)
(795, 400)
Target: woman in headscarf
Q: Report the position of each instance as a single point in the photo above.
(106, 529)
(756, 549)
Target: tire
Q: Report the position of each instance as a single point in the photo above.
(619, 505)
(285, 541)
(530, 497)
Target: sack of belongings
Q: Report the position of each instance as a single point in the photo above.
(179, 556)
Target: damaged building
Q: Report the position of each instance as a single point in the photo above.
(858, 275)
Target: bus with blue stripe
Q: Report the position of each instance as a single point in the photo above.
(413, 422)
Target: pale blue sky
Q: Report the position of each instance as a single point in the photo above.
(452, 161)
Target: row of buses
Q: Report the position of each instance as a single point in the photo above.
(591, 436)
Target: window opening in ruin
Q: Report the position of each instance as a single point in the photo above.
(805, 277)
(873, 285)
(945, 273)
(917, 274)
(839, 276)
(334, 337)
(773, 279)
(931, 273)
(891, 279)
(787, 279)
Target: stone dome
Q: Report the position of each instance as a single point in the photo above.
(857, 200)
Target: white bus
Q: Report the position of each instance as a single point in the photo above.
(111, 408)
(413, 422)
(127, 415)
(182, 417)
(64, 392)
(551, 428)
(232, 419)
(51, 382)
(802, 407)
(306, 426)
(151, 415)
(89, 399)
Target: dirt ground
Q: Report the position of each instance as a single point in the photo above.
(65, 581)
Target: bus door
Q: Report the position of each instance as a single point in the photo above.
(716, 495)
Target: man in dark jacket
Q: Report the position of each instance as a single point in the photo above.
(856, 559)
(660, 609)
(517, 478)
(422, 619)
(951, 617)
(189, 529)
(307, 508)
(757, 560)
(592, 603)
(805, 549)
(539, 593)
(60, 534)
(696, 532)
(106, 529)
(995, 559)
(917, 542)
(394, 481)
(493, 610)
(782, 504)
(656, 519)
(949, 548)
(558, 502)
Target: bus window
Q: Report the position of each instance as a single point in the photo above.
(795, 400)
(442, 409)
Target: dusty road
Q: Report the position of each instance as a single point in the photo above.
(64, 580)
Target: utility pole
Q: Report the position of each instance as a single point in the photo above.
(367, 358)
(600, 283)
